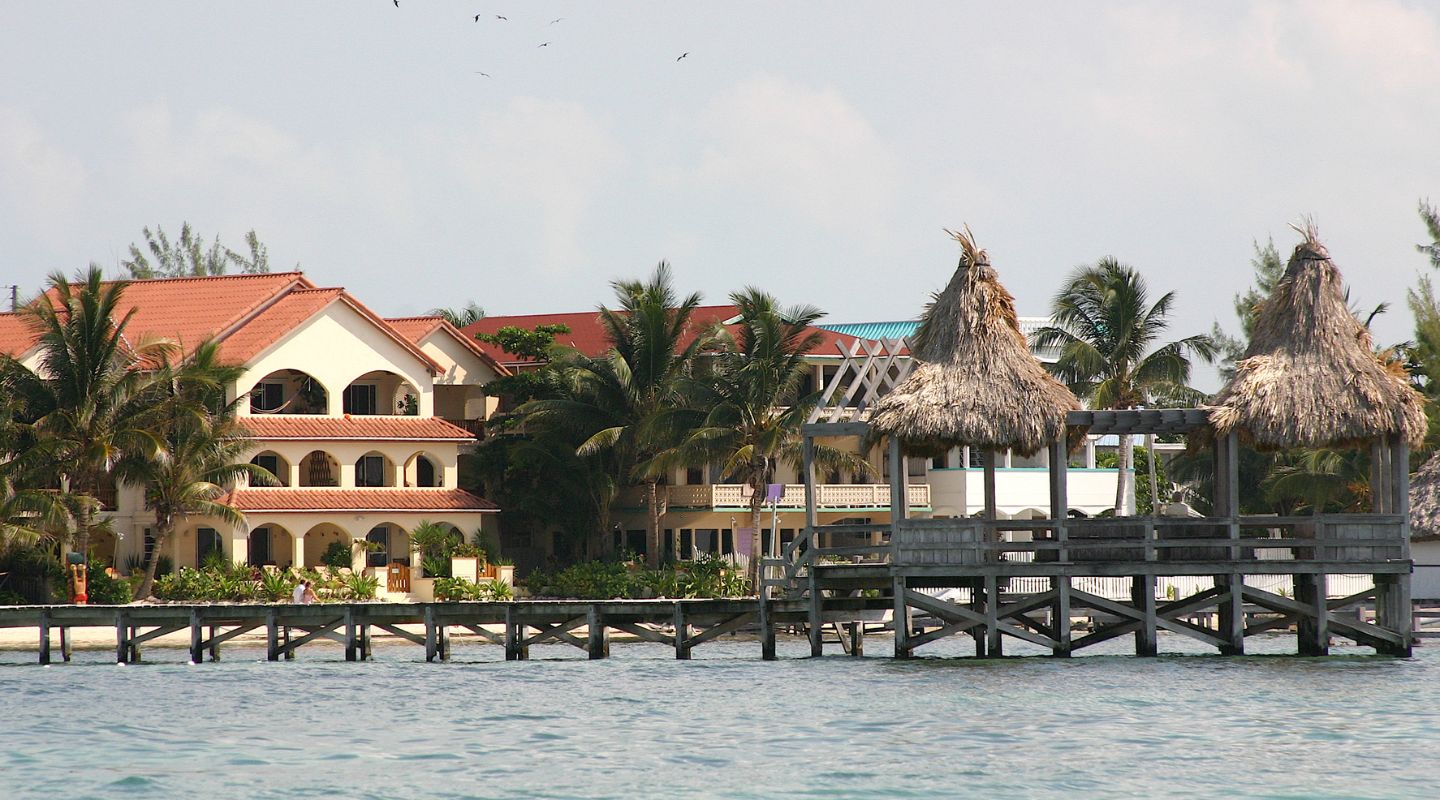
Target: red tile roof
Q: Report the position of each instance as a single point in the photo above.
(304, 426)
(254, 311)
(587, 335)
(322, 500)
(418, 329)
(186, 310)
(15, 335)
(271, 324)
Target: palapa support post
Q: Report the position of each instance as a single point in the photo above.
(856, 630)
(285, 639)
(352, 644)
(1060, 617)
(515, 647)
(682, 632)
(197, 637)
(214, 645)
(65, 643)
(1312, 627)
(814, 621)
(1231, 616)
(272, 635)
(767, 625)
(45, 637)
(597, 634)
(901, 619)
(993, 641)
(1402, 619)
(1142, 596)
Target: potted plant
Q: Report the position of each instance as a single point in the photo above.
(466, 561)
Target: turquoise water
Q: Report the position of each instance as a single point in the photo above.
(724, 725)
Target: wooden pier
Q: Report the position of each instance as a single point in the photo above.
(681, 624)
(981, 555)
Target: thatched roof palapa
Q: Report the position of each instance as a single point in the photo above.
(1425, 500)
(976, 382)
(1310, 377)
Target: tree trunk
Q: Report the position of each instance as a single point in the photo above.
(757, 503)
(1122, 469)
(162, 535)
(652, 524)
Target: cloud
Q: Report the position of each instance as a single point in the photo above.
(547, 160)
(808, 151)
(43, 185)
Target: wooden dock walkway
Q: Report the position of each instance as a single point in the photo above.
(681, 624)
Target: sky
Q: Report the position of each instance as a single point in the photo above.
(815, 150)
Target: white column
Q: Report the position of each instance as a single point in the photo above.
(1089, 452)
(293, 479)
(239, 546)
(297, 554)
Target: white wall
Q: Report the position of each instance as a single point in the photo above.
(1016, 490)
(335, 347)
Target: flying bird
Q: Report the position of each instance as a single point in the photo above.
(497, 16)
(396, 2)
(682, 55)
(486, 74)
(478, 16)
(560, 19)
(543, 44)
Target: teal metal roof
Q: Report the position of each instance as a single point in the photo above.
(874, 330)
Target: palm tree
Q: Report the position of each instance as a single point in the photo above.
(203, 451)
(27, 515)
(91, 399)
(1106, 331)
(624, 402)
(757, 403)
(468, 314)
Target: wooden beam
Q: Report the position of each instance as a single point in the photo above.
(597, 635)
(682, 632)
(903, 647)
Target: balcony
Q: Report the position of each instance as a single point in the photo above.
(828, 497)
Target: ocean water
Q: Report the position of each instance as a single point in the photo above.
(726, 724)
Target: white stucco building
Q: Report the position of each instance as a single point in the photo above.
(361, 420)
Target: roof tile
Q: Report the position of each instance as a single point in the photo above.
(305, 426)
(321, 500)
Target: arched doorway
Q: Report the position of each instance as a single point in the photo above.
(381, 392)
(319, 468)
(275, 464)
(270, 545)
(374, 469)
(424, 470)
(321, 539)
(289, 391)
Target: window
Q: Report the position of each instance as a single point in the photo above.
(360, 398)
(424, 472)
(378, 557)
(207, 544)
(271, 464)
(370, 471)
(694, 476)
(267, 397)
(260, 548)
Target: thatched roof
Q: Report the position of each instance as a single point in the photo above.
(1425, 500)
(1310, 377)
(975, 382)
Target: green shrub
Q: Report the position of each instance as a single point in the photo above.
(450, 590)
(336, 555)
(706, 576)
(359, 586)
(276, 585)
(105, 590)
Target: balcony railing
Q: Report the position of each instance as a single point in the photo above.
(827, 496)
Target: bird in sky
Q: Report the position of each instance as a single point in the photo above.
(558, 19)
(497, 16)
(485, 74)
(543, 44)
(478, 16)
(682, 55)
(396, 2)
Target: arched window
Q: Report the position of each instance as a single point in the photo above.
(318, 468)
(381, 392)
(373, 469)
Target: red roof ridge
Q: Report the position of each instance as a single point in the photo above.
(363, 426)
